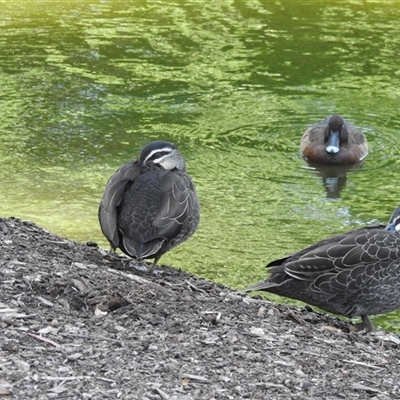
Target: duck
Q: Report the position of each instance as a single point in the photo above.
(333, 141)
(356, 273)
(150, 205)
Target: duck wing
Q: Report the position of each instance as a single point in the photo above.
(154, 211)
(112, 198)
(346, 266)
(179, 206)
(332, 239)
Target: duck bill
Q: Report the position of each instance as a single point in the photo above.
(391, 227)
(332, 146)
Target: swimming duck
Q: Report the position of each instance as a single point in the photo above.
(150, 205)
(352, 274)
(333, 141)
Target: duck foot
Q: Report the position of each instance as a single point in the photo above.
(143, 266)
(367, 323)
(154, 271)
(363, 327)
(140, 266)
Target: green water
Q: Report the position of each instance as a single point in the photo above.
(234, 84)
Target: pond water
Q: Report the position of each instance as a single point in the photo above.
(234, 84)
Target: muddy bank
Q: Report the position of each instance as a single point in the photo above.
(80, 323)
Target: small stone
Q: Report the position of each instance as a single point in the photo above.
(54, 323)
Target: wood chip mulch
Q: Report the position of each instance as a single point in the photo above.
(78, 322)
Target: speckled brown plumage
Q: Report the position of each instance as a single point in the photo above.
(333, 141)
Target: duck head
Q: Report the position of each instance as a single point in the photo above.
(162, 154)
(335, 134)
(394, 222)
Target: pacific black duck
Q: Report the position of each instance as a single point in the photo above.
(150, 205)
(333, 141)
(353, 274)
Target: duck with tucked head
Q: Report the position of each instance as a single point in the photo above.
(333, 141)
(150, 205)
(353, 274)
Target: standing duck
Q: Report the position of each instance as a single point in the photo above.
(353, 274)
(150, 205)
(333, 141)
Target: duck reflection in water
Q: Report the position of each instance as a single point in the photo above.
(334, 178)
(332, 148)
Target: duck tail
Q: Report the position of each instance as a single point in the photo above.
(265, 285)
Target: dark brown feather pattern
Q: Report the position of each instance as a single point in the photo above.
(333, 141)
(353, 274)
(147, 209)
